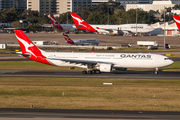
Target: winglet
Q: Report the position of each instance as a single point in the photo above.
(55, 23)
(29, 50)
(66, 37)
(177, 20)
(80, 23)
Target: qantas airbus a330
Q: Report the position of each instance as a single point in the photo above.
(93, 62)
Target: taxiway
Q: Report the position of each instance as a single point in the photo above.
(78, 74)
(54, 114)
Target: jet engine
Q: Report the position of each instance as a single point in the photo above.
(115, 32)
(106, 67)
(120, 68)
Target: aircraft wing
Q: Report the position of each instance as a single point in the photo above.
(110, 30)
(83, 62)
(46, 25)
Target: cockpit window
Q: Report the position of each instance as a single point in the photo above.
(166, 58)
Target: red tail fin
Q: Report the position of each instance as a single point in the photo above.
(29, 50)
(80, 23)
(177, 20)
(66, 37)
(55, 23)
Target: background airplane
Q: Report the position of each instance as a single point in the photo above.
(91, 41)
(111, 29)
(93, 62)
(177, 20)
(54, 23)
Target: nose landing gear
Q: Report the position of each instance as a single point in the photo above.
(156, 71)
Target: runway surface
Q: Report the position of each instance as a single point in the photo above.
(78, 74)
(46, 114)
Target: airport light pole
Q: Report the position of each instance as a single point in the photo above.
(67, 17)
(108, 15)
(136, 21)
(164, 30)
(108, 11)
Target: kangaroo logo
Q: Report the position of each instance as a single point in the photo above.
(26, 45)
(67, 37)
(176, 20)
(79, 21)
(55, 22)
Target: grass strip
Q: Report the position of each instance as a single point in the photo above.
(87, 93)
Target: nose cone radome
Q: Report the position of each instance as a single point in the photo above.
(171, 62)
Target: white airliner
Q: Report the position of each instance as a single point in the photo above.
(91, 41)
(93, 62)
(54, 23)
(111, 29)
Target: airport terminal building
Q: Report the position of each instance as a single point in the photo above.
(18, 4)
(156, 5)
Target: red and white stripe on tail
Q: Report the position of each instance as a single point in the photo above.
(66, 37)
(29, 50)
(80, 23)
(177, 20)
(55, 23)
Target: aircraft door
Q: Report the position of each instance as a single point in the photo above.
(156, 59)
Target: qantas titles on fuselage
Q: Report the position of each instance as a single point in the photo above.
(135, 56)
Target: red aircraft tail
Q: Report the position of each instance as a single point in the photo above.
(29, 50)
(55, 23)
(66, 37)
(177, 20)
(80, 23)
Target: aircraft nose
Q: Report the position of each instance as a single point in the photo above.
(171, 62)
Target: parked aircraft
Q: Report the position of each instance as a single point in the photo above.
(92, 41)
(177, 20)
(111, 29)
(93, 62)
(54, 23)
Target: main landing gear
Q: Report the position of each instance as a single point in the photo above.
(91, 71)
(156, 71)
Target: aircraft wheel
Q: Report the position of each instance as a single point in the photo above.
(156, 72)
(98, 71)
(90, 72)
(84, 72)
(94, 71)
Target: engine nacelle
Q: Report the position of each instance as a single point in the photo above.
(106, 67)
(115, 32)
(120, 68)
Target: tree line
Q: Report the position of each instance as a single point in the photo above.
(104, 13)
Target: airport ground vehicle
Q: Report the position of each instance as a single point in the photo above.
(147, 43)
